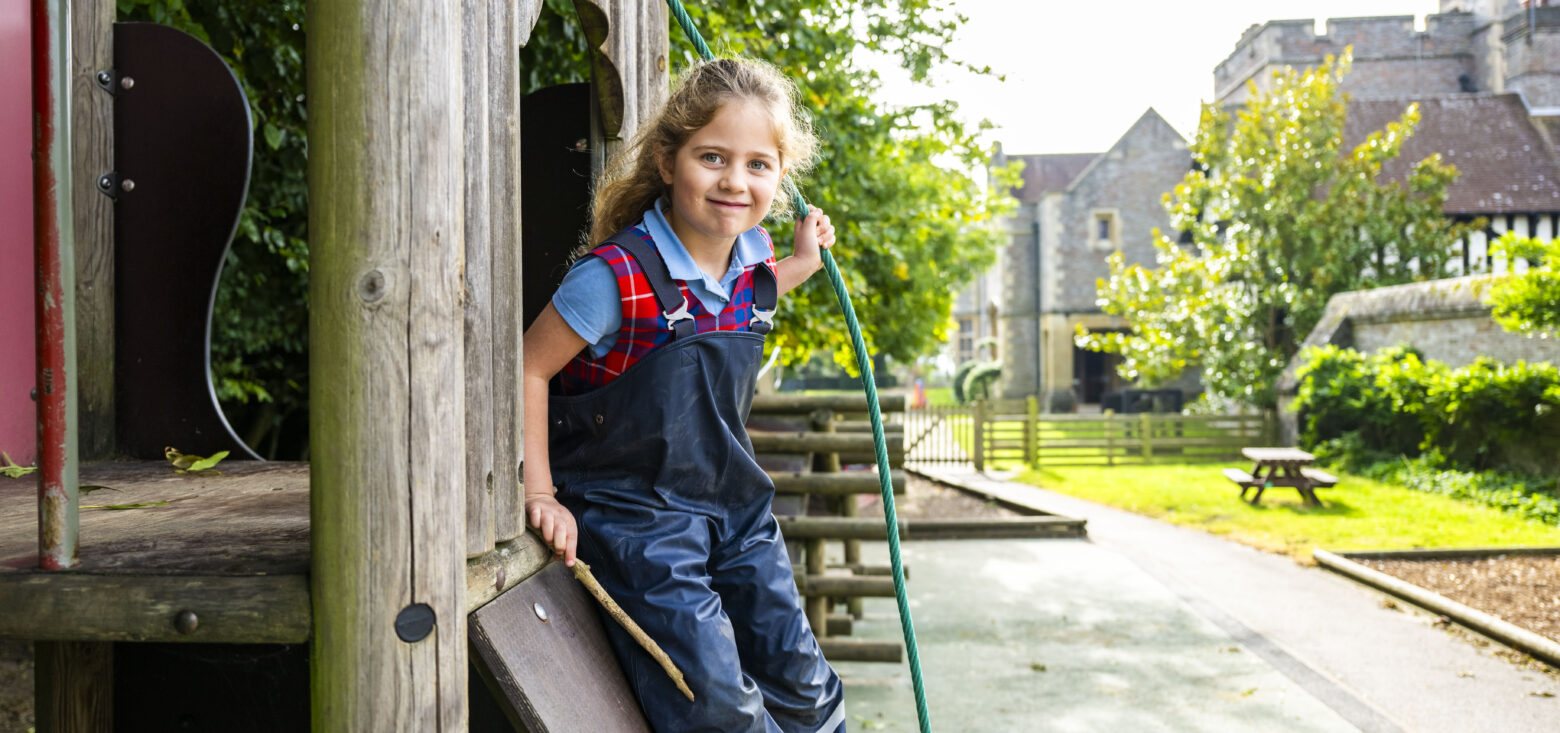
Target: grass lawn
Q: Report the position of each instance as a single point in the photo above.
(1359, 514)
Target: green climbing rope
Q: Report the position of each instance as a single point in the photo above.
(864, 363)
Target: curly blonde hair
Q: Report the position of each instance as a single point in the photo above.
(632, 181)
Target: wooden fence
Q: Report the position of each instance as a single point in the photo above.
(1014, 432)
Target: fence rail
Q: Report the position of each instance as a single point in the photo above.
(1015, 432)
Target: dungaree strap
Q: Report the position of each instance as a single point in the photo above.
(674, 307)
(766, 293)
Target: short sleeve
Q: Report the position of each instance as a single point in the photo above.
(589, 302)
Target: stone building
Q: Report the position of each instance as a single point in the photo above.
(1486, 74)
(1075, 211)
(1470, 46)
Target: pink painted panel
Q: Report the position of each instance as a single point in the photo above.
(18, 421)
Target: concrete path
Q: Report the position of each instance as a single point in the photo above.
(1151, 627)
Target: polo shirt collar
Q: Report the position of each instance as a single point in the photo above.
(751, 248)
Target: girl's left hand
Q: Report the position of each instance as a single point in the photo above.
(812, 233)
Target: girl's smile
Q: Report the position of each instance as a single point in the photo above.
(722, 181)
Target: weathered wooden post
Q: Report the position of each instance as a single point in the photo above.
(978, 444)
(1032, 430)
(387, 387)
(1146, 427)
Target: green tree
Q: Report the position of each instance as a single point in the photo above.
(1282, 215)
(1528, 302)
(914, 226)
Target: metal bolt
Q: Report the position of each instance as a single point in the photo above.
(127, 185)
(541, 613)
(104, 77)
(126, 83)
(33, 393)
(581, 145)
(600, 419)
(105, 183)
(186, 621)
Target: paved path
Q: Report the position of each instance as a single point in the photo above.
(1151, 627)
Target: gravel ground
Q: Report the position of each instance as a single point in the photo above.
(1521, 589)
(16, 703)
(928, 500)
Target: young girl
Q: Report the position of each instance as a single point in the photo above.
(638, 379)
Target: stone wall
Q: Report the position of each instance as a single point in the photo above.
(1533, 56)
(1390, 57)
(1446, 320)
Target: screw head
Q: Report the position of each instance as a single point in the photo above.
(126, 83)
(186, 622)
(103, 77)
(541, 613)
(105, 183)
(128, 185)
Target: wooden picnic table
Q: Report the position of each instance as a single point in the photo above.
(1287, 467)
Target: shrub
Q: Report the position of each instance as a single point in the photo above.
(1392, 403)
(977, 384)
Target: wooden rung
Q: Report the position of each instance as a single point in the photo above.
(835, 484)
(865, 426)
(895, 460)
(872, 570)
(815, 442)
(796, 404)
(840, 624)
(995, 528)
(835, 528)
(845, 586)
(861, 650)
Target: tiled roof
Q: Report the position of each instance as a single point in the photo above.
(1047, 173)
(1504, 163)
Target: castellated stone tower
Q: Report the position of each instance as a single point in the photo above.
(1470, 46)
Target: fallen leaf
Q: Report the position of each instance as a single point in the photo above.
(1036, 666)
(1249, 693)
(1541, 693)
(12, 470)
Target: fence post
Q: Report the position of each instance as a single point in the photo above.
(978, 436)
(1146, 427)
(1032, 431)
(1110, 437)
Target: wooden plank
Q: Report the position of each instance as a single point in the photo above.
(92, 155)
(477, 285)
(251, 519)
(74, 686)
(387, 401)
(835, 528)
(72, 605)
(819, 586)
(811, 442)
(994, 528)
(800, 404)
(836, 484)
(506, 566)
(862, 650)
(509, 27)
(554, 673)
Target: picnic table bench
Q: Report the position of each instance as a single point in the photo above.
(1286, 467)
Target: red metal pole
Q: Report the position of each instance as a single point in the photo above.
(57, 505)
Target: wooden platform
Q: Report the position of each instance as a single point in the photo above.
(232, 549)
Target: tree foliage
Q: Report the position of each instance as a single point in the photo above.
(1528, 302)
(1281, 215)
(913, 226)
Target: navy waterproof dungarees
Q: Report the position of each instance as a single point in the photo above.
(674, 517)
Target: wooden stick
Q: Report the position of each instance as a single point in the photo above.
(582, 573)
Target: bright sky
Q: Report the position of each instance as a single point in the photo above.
(1080, 73)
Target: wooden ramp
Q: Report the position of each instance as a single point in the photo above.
(541, 649)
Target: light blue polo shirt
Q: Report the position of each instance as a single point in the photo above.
(588, 297)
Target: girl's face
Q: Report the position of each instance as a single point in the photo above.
(724, 178)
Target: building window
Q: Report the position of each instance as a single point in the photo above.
(966, 339)
(1104, 230)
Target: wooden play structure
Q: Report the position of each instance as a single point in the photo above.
(408, 516)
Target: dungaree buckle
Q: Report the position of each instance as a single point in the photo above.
(761, 316)
(681, 314)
